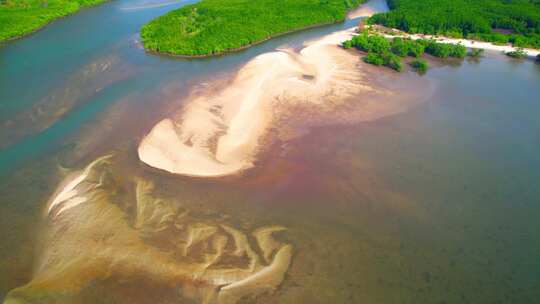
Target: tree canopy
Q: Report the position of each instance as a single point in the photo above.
(216, 26)
(21, 17)
(498, 21)
(382, 51)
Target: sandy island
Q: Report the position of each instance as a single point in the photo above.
(219, 134)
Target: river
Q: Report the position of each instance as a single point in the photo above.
(436, 204)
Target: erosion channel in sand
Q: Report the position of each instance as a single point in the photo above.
(98, 225)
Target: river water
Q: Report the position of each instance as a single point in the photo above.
(438, 204)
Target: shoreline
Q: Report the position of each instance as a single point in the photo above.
(234, 50)
(468, 43)
(217, 133)
(220, 131)
(363, 10)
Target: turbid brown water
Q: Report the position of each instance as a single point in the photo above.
(436, 204)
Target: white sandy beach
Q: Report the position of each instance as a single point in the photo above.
(478, 44)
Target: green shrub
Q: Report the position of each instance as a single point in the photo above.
(420, 65)
(438, 49)
(399, 47)
(379, 44)
(444, 50)
(371, 43)
(476, 52)
(416, 48)
(382, 52)
(374, 58)
(458, 51)
(387, 59)
(519, 53)
(392, 61)
(347, 44)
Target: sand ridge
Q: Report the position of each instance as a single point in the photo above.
(113, 235)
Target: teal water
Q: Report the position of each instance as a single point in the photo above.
(70, 54)
(438, 204)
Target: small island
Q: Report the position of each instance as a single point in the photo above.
(213, 27)
(19, 18)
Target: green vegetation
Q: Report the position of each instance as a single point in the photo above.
(378, 49)
(420, 65)
(21, 17)
(381, 51)
(374, 58)
(476, 53)
(407, 47)
(212, 27)
(387, 59)
(497, 21)
(518, 53)
(444, 50)
(369, 43)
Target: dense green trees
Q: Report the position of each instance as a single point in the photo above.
(379, 50)
(216, 26)
(498, 21)
(382, 51)
(21, 17)
(370, 43)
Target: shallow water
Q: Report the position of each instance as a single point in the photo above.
(434, 205)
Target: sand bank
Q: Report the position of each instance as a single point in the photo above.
(218, 134)
(220, 131)
(71, 192)
(113, 236)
